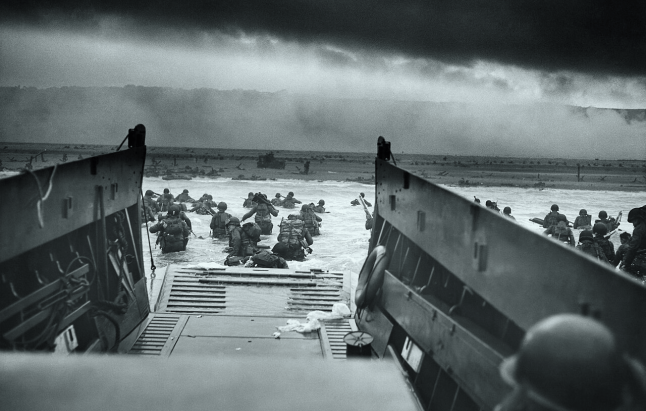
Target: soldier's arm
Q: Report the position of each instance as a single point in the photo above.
(308, 237)
(272, 210)
(155, 228)
(249, 213)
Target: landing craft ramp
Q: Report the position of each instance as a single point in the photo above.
(235, 311)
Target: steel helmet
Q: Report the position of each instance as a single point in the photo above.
(185, 191)
(554, 207)
(305, 207)
(291, 193)
(507, 210)
(166, 191)
(634, 214)
(569, 362)
(600, 228)
(561, 217)
(149, 192)
(583, 212)
(222, 206)
(586, 235)
(603, 214)
(234, 221)
(173, 210)
(277, 195)
(321, 202)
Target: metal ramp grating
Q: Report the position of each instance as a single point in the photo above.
(157, 337)
(332, 333)
(227, 290)
(189, 295)
(314, 298)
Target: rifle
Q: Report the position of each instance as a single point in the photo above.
(259, 198)
(365, 208)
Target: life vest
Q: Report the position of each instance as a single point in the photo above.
(319, 209)
(263, 215)
(164, 201)
(582, 220)
(276, 201)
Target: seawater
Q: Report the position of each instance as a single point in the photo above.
(343, 243)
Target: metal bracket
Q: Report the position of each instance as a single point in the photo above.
(114, 188)
(68, 206)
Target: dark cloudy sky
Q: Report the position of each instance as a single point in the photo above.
(561, 52)
(585, 52)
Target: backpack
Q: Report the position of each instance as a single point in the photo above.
(551, 219)
(219, 220)
(253, 230)
(173, 232)
(291, 233)
(268, 259)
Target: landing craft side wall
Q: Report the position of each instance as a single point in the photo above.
(523, 274)
(73, 201)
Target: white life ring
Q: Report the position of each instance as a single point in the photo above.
(371, 277)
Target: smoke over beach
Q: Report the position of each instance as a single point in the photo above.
(250, 119)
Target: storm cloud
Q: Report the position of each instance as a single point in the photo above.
(592, 37)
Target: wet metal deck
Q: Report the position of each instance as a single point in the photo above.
(236, 311)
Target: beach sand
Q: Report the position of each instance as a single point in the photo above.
(539, 173)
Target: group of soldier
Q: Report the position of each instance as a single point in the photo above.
(294, 238)
(594, 239)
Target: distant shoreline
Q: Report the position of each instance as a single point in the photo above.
(470, 171)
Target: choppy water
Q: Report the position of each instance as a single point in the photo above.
(343, 243)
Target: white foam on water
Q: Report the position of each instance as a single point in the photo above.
(343, 243)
